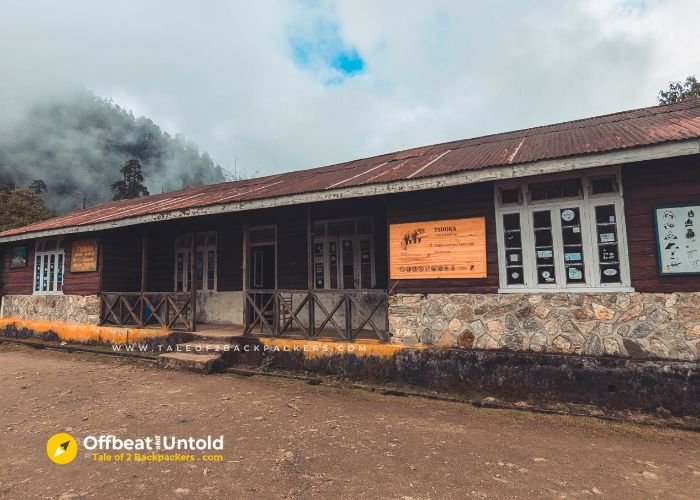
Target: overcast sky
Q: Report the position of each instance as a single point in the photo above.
(284, 85)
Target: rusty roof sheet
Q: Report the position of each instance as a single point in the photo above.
(628, 129)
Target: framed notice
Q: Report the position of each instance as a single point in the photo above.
(454, 248)
(18, 257)
(83, 257)
(677, 239)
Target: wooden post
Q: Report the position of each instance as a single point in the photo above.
(144, 262)
(245, 277)
(193, 283)
(144, 265)
(310, 273)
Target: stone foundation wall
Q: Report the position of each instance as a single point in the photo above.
(65, 308)
(633, 325)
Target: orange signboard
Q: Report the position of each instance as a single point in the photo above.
(83, 256)
(454, 248)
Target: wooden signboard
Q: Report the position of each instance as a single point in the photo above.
(83, 256)
(454, 248)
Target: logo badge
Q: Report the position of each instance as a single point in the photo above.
(61, 448)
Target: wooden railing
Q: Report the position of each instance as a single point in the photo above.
(344, 314)
(142, 309)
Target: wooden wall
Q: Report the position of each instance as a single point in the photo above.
(81, 283)
(121, 258)
(20, 281)
(17, 281)
(450, 203)
(645, 185)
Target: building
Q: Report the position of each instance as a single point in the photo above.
(574, 238)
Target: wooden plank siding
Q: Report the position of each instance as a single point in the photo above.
(80, 283)
(19, 281)
(452, 203)
(646, 185)
(121, 257)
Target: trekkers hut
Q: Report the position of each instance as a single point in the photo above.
(577, 238)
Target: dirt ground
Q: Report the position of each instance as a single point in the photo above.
(288, 439)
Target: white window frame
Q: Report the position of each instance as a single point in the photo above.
(586, 203)
(356, 238)
(39, 253)
(186, 251)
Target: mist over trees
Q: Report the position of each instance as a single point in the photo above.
(78, 144)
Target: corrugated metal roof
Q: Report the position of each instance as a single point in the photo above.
(640, 127)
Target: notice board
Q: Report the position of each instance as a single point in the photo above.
(83, 257)
(453, 248)
(677, 238)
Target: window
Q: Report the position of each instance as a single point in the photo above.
(49, 262)
(566, 233)
(344, 254)
(205, 262)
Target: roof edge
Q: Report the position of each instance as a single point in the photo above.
(540, 167)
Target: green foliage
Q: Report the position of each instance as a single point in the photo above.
(267, 363)
(20, 206)
(680, 91)
(131, 185)
(78, 143)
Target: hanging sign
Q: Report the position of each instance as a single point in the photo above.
(677, 238)
(83, 257)
(454, 248)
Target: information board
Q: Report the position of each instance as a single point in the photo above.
(83, 256)
(677, 238)
(454, 248)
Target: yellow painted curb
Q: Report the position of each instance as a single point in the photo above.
(78, 332)
(320, 348)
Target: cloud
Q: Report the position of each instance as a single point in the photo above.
(285, 85)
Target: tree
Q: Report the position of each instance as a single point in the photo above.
(131, 185)
(37, 186)
(680, 91)
(20, 206)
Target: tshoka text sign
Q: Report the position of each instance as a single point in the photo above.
(83, 256)
(454, 248)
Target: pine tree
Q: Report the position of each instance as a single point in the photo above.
(131, 185)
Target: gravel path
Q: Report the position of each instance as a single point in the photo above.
(288, 439)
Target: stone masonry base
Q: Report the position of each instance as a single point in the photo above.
(629, 325)
(83, 309)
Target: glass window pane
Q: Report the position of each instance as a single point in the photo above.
(514, 276)
(510, 196)
(511, 222)
(544, 247)
(59, 277)
(573, 245)
(211, 269)
(37, 274)
(603, 185)
(608, 252)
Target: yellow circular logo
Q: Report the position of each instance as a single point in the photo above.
(62, 448)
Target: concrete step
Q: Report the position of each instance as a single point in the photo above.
(200, 363)
(205, 346)
(216, 336)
